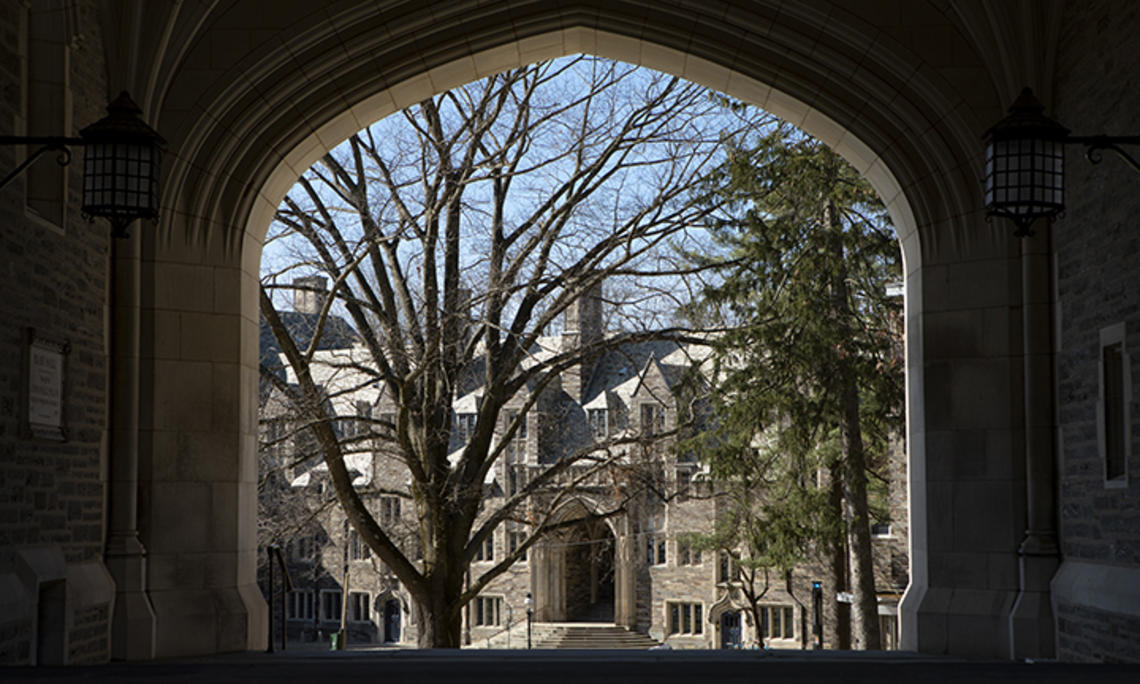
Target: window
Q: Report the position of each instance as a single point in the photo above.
(389, 510)
(358, 550)
(881, 530)
(363, 421)
(47, 109)
(1113, 406)
(599, 423)
(778, 622)
(728, 570)
(304, 548)
(488, 611)
(486, 550)
(889, 631)
(465, 426)
(684, 477)
(299, 605)
(516, 478)
(330, 604)
(388, 424)
(652, 419)
(274, 434)
(358, 606)
(516, 536)
(687, 555)
(655, 549)
(685, 618)
(516, 448)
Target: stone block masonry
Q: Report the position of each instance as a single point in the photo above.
(1095, 246)
(52, 493)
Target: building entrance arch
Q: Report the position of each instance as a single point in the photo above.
(393, 617)
(731, 629)
(244, 134)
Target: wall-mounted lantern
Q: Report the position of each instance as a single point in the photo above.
(1025, 163)
(120, 167)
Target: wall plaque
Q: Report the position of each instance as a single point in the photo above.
(45, 367)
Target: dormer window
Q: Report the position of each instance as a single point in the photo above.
(465, 426)
(599, 423)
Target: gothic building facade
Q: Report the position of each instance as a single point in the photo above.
(624, 552)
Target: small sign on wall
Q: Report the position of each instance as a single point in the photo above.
(45, 365)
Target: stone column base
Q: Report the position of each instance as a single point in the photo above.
(962, 622)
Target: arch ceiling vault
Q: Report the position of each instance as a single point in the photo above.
(249, 98)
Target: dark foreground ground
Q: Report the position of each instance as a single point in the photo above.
(580, 667)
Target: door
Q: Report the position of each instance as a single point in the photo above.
(391, 621)
(730, 629)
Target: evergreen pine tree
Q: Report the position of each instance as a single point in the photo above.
(808, 371)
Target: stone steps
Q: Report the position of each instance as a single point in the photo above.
(595, 637)
(569, 635)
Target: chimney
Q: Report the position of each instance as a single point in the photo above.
(309, 294)
(582, 326)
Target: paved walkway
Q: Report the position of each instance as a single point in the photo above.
(580, 667)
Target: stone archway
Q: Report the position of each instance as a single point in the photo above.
(574, 570)
(590, 573)
(243, 133)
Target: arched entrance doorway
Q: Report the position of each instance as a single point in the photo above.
(392, 620)
(242, 138)
(589, 572)
(574, 572)
(731, 631)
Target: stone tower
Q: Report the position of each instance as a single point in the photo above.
(309, 294)
(582, 326)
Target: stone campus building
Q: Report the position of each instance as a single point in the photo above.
(635, 569)
(128, 460)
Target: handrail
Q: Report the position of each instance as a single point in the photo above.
(505, 629)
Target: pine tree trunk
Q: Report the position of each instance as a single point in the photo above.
(835, 622)
(864, 605)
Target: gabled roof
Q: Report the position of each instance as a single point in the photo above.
(337, 334)
(360, 464)
(618, 366)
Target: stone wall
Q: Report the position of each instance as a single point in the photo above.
(55, 274)
(1095, 246)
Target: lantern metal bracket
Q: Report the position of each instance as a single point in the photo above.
(1095, 144)
(1024, 167)
(1021, 223)
(47, 144)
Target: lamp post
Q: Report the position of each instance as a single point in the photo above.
(529, 603)
(120, 165)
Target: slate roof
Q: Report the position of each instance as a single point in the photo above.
(337, 334)
(620, 365)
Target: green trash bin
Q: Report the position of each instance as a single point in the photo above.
(334, 641)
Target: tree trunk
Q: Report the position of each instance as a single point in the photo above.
(864, 604)
(439, 625)
(836, 616)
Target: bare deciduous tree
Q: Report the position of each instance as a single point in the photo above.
(455, 235)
